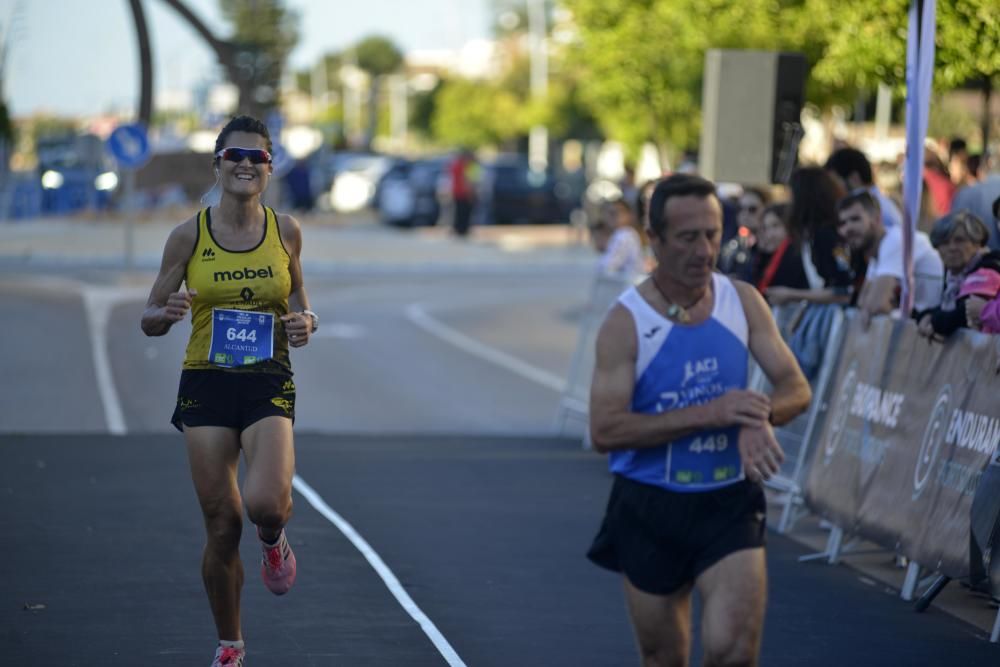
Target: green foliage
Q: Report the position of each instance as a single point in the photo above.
(470, 113)
(378, 55)
(422, 109)
(643, 59)
(867, 43)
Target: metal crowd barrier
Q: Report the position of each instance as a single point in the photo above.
(796, 436)
(900, 459)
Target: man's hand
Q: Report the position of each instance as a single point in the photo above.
(973, 310)
(761, 454)
(740, 407)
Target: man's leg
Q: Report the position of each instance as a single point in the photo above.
(734, 595)
(213, 454)
(267, 491)
(662, 625)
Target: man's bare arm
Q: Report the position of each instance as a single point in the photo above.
(879, 296)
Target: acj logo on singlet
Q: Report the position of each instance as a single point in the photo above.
(245, 274)
(703, 370)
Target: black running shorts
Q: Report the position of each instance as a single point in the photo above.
(232, 399)
(662, 540)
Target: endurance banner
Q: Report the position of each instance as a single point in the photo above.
(911, 425)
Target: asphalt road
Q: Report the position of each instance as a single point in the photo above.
(486, 535)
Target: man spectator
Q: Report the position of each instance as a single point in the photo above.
(854, 171)
(958, 160)
(860, 224)
(463, 171)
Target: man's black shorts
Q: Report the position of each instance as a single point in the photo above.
(232, 399)
(662, 540)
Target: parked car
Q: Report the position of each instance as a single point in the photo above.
(354, 185)
(75, 173)
(511, 192)
(408, 193)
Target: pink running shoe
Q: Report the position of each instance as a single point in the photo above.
(277, 568)
(228, 657)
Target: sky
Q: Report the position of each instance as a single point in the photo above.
(80, 57)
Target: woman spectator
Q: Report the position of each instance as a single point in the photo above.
(738, 255)
(623, 255)
(812, 228)
(961, 240)
(778, 260)
(938, 180)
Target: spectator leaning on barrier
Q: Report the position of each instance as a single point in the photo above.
(970, 268)
(812, 227)
(861, 226)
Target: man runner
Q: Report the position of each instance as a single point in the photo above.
(687, 442)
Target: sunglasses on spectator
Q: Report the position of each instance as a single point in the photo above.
(255, 155)
(752, 208)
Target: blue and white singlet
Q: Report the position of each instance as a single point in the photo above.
(679, 365)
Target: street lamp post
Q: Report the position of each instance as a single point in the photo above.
(538, 139)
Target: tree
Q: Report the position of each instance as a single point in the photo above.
(472, 114)
(642, 60)
(868, 46)
(423, 108)
(377, 56)
(264, 34)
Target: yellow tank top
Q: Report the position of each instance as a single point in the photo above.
(255, 280)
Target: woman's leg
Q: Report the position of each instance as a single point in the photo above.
(213, 454)
(270, 457)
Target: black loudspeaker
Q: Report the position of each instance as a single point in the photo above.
(751, 109)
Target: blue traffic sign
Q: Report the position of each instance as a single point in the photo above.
(129, 144)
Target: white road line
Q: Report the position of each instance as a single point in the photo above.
(390, 580)
(98, 303)
(416, 314)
